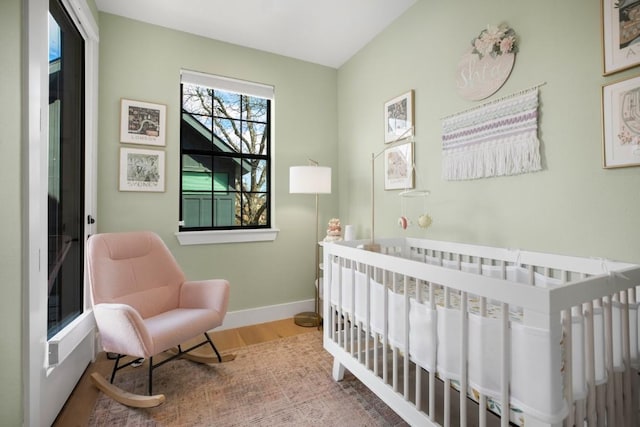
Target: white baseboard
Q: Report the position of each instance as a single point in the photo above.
(253, 316)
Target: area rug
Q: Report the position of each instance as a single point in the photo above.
(286, 382)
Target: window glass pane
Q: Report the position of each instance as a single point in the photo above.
(227, 135)
(196, 173)
(197, 100)
(254, 109)
(254, 138)
(226, 104)
(197, 182)
(195, 132)
(225, 207)
(226, 171)
(196, 209)
(254, 209)
(254, 175)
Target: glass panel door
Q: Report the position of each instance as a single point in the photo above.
(66, 170)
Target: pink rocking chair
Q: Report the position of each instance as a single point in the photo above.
(143, 307)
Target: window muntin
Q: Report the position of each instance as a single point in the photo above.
(225, 156)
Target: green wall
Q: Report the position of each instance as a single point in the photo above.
(142, 62)
(572, 206)
(10, 215)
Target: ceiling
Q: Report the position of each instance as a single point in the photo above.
(326, 32)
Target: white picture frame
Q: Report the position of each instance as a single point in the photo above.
(142, 123)
(142, 170)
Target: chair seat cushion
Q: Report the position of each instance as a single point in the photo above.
(174, 327)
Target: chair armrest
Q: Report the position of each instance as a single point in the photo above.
(210, 294)
(122, 330)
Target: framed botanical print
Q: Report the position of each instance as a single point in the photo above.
(398, 117)
(621, 123)
(620, 34)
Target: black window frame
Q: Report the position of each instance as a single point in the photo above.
(240, 157)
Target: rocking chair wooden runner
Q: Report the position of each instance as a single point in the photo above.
(144, 307)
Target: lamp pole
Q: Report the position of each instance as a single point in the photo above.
(372, 245)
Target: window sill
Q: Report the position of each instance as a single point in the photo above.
(226, 236)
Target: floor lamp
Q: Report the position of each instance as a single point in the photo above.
(312, 179)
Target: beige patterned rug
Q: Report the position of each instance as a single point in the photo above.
(286, 382)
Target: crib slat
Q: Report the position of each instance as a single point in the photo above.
(506, 366)
(590, 363)
(611, 412)
(505, 375)
(447, 402)
(482, 401)
(406, 337)
(367, 325)
(339, 308)
(434, 352)
(385, 339)
(626, 357)
(567, 325)
(634, 374)
(464, 339)
(352, 323)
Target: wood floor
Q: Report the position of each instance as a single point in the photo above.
(77, 410)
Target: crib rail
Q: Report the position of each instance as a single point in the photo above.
(450, 333)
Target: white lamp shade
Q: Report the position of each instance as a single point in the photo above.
(310, 179)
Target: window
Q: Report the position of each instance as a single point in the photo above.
(225, 150)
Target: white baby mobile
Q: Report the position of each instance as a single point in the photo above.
(424, 220)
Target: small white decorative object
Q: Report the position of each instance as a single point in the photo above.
(334, 231)
(349, 232)
(424, 221)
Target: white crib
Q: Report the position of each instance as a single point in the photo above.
(456, 334)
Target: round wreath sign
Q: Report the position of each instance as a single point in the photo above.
(486, 66)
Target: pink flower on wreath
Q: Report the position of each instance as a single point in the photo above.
(494, 41)
(506, 44)
(482, 46)
(492, 34)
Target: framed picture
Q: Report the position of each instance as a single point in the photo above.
(398, 117)
(141, 170)
(621, 123)
(620, 34)
(398, 167)
(142, 122)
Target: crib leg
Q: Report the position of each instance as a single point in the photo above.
(601, 404)
(338, 370)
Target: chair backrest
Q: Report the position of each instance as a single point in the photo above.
(134, 268)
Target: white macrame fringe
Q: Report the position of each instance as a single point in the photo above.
(506, 156)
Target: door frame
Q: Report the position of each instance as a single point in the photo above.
(47, 386)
